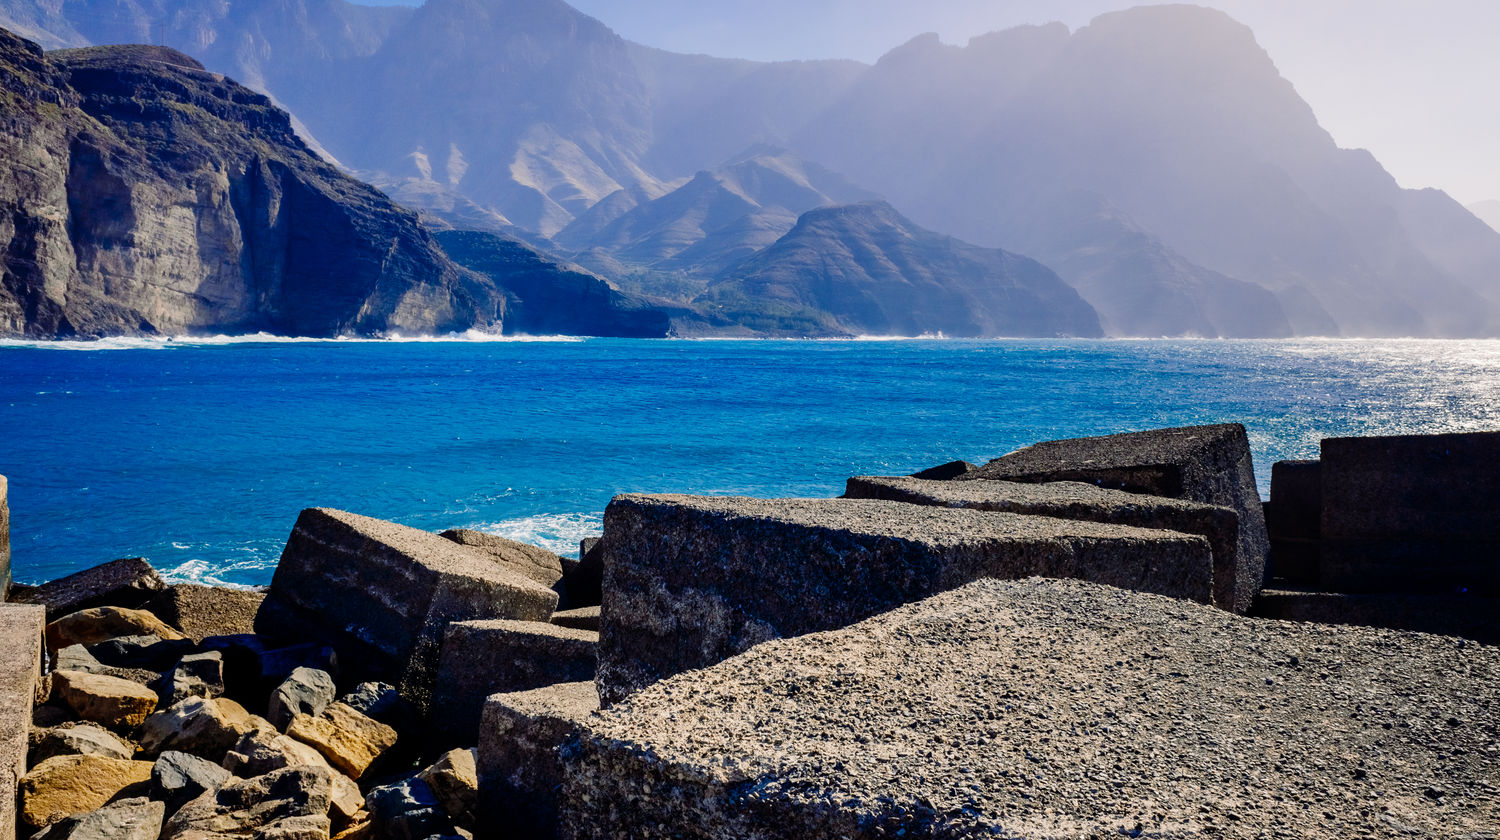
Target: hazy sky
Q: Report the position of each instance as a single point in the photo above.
(1416, 83)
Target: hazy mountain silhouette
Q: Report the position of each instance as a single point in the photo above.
(1487, 212)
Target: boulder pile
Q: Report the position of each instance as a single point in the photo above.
(1050, 645)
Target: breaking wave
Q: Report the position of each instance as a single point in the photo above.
(559, 533)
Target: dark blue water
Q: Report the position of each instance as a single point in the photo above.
(199, 456)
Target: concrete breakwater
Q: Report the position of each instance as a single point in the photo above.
(1075, 640)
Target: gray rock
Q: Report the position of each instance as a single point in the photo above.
(1294, 521)
(204, 611)
(127, 819)
(583, 618)
(129, 582)
(146, 653)
(539, 564)
(946, 472)
(249, 808)
(481, 658)
(407, 810)
(306, 691)
(203, 726)
(20, 683)
(693, 580)
(380, 701)
(384, 593)
(84, 738)
(1208, 464)
(78, 658)
(194, 675)
(1413, 513)
(1054, 708)
(520, 766)
(1075, 500)
(178, 778)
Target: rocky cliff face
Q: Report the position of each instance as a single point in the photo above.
(145, 194)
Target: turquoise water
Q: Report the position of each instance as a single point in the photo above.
(200, 455)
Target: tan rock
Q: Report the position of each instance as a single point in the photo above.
(455, 782)
(116, 703)
(202, 726)
(74, 784)
(87, 627)
(296, 828)
(349, 740)
(266, 750)
(359, 828)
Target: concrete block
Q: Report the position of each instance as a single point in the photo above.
(520, 762)
(583, 618)
(1294, 521)
(203, 611)
(129, 583)
(20, 686)
(1076, 500)
(383, 594)
(1208, 464)
(1467, 616)
(1053, 708)
(692, 580)
(481, 658)
(1413, 513)
(585, 580)
(946, 472)
(539, 564)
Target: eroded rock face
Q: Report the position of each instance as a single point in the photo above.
(128, 819)
(75, 784)
(276, 804)
(202, 726)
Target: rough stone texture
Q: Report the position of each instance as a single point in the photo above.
(384, 594)
(692, 580)
(1208, 464)
(74, 784)
(1411, 514)
(202, 726)
(4, 538)
(129, 582)
(946, 472)
(454, 780)
(254, 807)
(307, 691)
(203, 611)
(99, 624)
(77, 739)
(1294, 521)
(178, 778)
(128, 819)
(20, 680)
(520, 769)
(1076, 500)
(408, 809)
(539, 564)
(1055, 708)
(583, 618)
(266, 750)
(585, 581)
(1469, 616)
(349, 740)
(481, 658)
(113, 702)
(195, 675)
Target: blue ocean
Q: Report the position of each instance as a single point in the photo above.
(199, 454)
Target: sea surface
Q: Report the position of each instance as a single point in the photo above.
(199, 454)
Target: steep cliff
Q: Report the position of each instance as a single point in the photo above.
(144, 194)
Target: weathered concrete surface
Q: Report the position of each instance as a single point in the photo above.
(384, 594)
(1208, 464)
(1055, 709)
(4, 538)
(1413, 513)
(481, 658)
(583, 618)
(539, 564)
(20, 681)
(691, 580)
(129, 582)
(203, 611)
(1294, 521)
(1076, 500)
(1469, 616)
(520, 767)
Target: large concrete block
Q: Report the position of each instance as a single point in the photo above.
(203, 611)
(481, 658)
(4, 538)
(1208, 464)
(129, 582)
(539, 564)
(691, 580)
(1076, 500)
(1054, 708)
(1466, 616)
(520, 763)
(1294, 518)
(383, 594)
(1414, 513)
(20, 683)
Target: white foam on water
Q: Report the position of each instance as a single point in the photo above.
(209, 574)
(559, 533)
